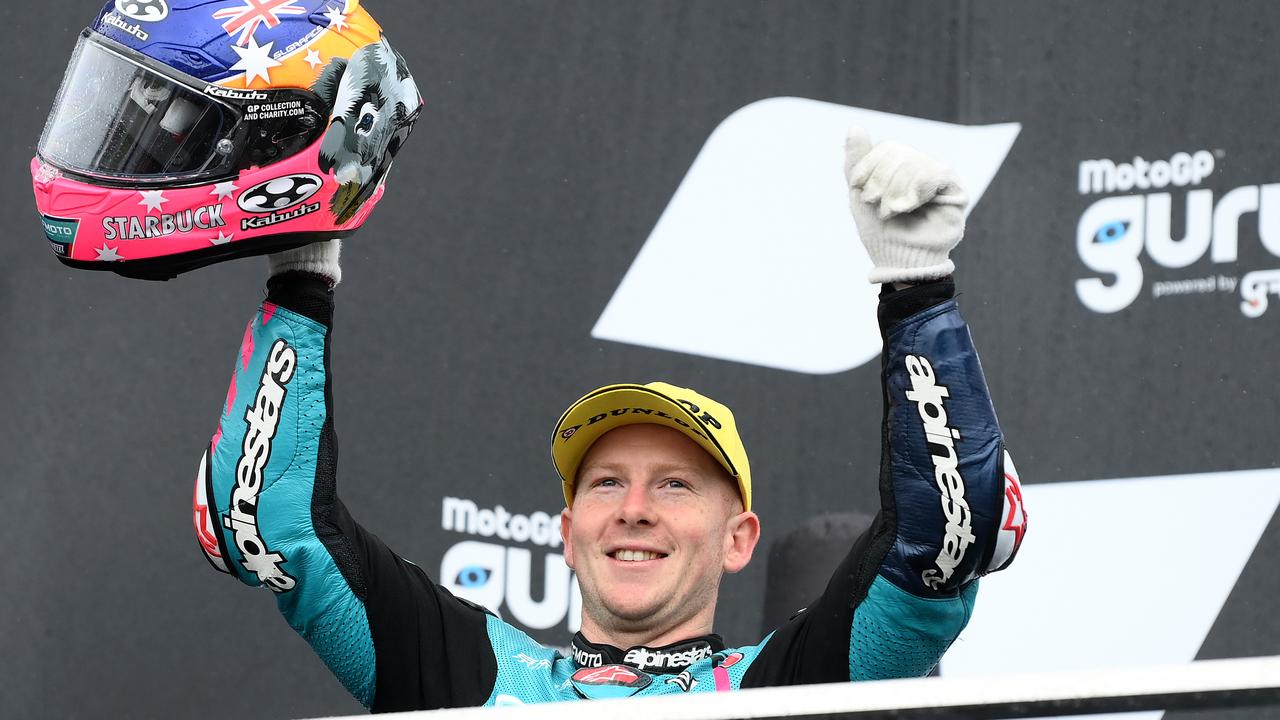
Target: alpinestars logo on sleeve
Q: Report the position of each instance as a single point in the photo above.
(928, 395)
(262, 417)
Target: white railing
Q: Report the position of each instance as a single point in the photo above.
(1202, 684)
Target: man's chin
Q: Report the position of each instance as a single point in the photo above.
(643, 615)
(631, 613)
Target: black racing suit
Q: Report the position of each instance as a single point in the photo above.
(266, 510)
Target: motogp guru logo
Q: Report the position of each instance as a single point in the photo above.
(1115, 232)
(497, 568)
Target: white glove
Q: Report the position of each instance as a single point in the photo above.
(320, 258)
(908, 207)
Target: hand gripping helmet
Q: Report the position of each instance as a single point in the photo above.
(187, 132)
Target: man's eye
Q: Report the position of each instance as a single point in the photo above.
(676, 483)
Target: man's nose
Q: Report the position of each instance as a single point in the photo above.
(637, 506)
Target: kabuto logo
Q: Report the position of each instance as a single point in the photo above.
(280, 193)
(262, 419)
(282, 198)
(144, 10)
(1114, 233)
(275, 218)
(234, 94)
(760, 229)
(499, 575)
(119, 23)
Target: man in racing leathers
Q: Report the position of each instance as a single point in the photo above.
(658, 496)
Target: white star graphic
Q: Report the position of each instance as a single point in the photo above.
(153, 199)
(255, 61)
(106, 253)
(313, 58)
(222, 239)
(224, 189)
(337, 20)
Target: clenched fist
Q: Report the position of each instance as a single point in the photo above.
(909, 209)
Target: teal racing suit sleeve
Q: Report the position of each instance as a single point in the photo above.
(266, 511)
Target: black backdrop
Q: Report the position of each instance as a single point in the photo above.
(555, 134)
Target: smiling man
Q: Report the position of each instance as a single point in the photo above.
(657, 489)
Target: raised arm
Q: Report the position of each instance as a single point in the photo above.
(267, 512)
(951, 507)
(950, 503)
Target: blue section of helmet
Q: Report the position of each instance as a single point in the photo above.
(190, 39)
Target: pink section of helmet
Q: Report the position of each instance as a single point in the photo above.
(140, 222)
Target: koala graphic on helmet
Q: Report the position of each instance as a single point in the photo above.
(372, 96)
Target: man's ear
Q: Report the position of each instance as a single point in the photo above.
(741, 535)
(566, 524)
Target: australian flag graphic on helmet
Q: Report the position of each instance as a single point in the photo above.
(208, 40)
(187, 132)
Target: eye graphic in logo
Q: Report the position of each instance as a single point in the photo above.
(1111, 232)
(280, 193)
(144, 10)
(473, 576)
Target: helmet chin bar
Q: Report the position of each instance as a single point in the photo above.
(170, 266)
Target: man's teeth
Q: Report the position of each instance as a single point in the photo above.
(636, 555)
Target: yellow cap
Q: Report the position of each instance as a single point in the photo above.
(704, 420)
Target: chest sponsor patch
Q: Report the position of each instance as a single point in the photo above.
(609, 681)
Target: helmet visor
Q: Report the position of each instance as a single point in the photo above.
(116, 118)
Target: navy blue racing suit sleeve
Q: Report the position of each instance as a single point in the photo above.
(267, 511)
(950, 512)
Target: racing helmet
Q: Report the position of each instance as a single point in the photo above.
(188, 132)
